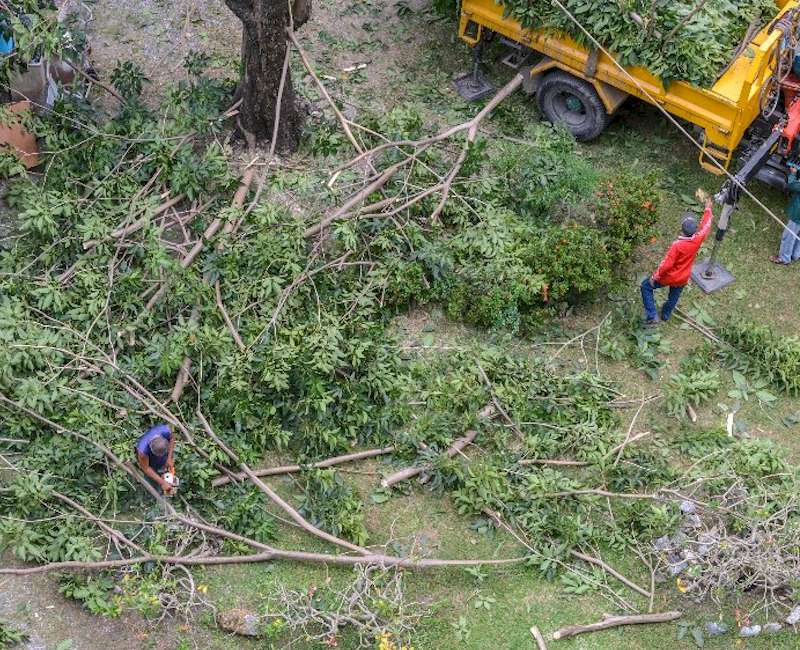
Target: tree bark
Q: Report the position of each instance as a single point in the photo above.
(615, 621)
(264, 46)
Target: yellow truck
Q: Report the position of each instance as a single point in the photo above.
(583, 88)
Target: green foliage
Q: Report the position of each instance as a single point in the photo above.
(758, 351)
(247, 515)
(128, 79)
(530, 231)
(96, 593)
(694, 388)
(333, 505)
(543, 175)
(671, 39)
(10, 636)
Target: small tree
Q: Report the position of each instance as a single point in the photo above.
(264, 47)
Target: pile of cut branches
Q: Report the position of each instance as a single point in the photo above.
(689, 40)
(142, 287)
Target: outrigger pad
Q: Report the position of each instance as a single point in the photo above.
(720, 276)
(472, 87)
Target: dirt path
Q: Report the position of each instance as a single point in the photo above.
(35, 606)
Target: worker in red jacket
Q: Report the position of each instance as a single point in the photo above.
(676, 267)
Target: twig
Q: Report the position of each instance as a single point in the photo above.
(231, 327)
(94, 81)
(611, 571)
(454, 449)
(599, 493)
(496, 401)
(685, 20)
(620, 447)
(628, 434)
(541, 461)
(324, 91)
(615, 621)
(292, 469)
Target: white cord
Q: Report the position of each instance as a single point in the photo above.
(668, 115)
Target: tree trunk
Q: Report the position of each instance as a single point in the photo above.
(264, 44)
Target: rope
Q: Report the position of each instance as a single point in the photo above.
(666, 113)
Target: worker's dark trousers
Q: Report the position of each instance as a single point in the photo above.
(649, 299)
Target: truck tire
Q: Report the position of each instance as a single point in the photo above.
(565, 99)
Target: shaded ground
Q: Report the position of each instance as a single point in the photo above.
(36, 607)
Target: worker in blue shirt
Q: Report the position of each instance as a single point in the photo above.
(154, 451)
(790, 240)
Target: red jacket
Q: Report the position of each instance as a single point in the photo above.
(676, 267)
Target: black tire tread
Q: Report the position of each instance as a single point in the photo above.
(558, 81)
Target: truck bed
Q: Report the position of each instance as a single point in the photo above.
(724, 112)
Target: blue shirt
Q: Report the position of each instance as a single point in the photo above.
(143, 445)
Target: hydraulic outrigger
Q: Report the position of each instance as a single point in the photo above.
(767, 163)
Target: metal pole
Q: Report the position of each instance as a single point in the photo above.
(722, 228)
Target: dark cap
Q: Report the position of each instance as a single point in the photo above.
(689, 225)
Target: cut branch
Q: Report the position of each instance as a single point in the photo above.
(275, 498)
(293, 469)
(471, 127)
(209, 233)
(231, 327)
(537, 635)
(615, 621)
(558, 462)
(454, 449)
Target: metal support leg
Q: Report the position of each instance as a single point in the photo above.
(475, 85)
(709, 274)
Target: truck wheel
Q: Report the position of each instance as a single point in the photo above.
(574, 103)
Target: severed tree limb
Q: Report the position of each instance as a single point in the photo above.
(609, 621)
(186, 365)
(209, 233)
(537, 635)
(292, 469)
(231, 327)
(272, 554)
(274, 497)
(357, 198)
(124, 231)
(269, 552)
(470, 126)
(112, 532)
(324, 91)
(501, 523)
(611, 571)
(600, 493)
(455, 448)
(118, 234)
